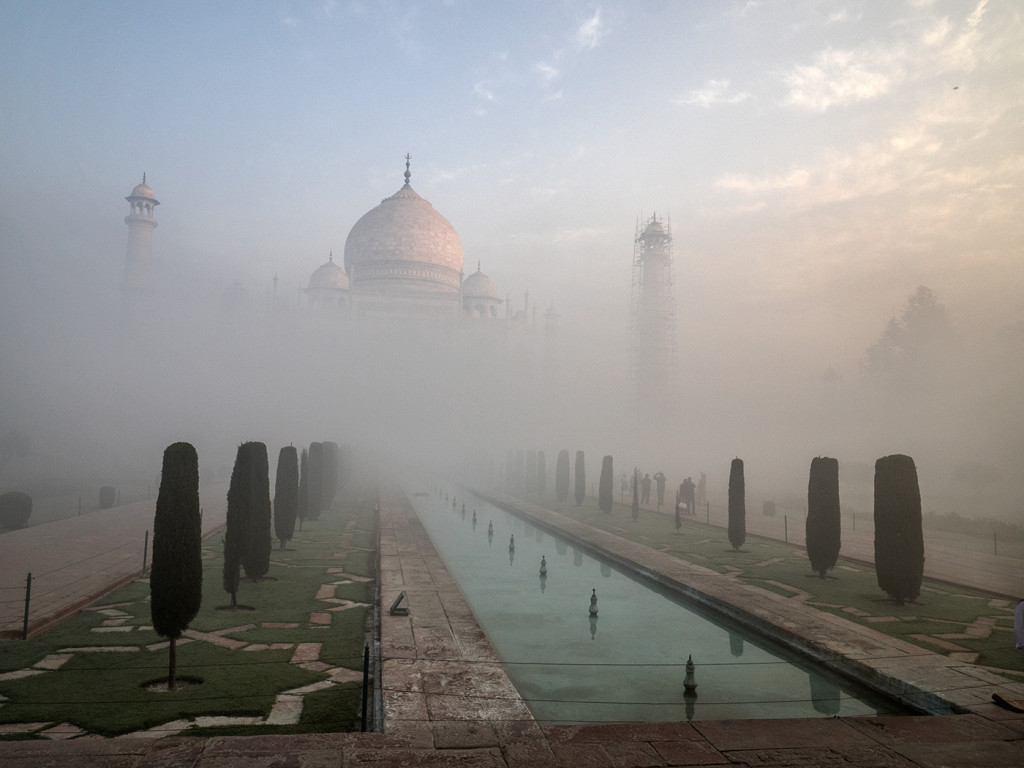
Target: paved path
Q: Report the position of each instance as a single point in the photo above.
(76, 560)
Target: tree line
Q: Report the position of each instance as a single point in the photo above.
(899, 540)
(304, 488)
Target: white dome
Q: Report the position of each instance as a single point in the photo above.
(404, 244)
(479, 285)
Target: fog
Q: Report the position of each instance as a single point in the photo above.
(817, 164)
(100, 386)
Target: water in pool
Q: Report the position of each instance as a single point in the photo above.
(628, 663)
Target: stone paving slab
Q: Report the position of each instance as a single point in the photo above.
(108, 547)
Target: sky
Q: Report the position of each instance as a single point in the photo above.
(817, 160)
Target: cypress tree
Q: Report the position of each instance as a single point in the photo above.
(823, 520)
(316, 481)
(737, 505)
(581, 479)
(542, 474)
(562, 475)
(636, 494)
(604, 487)
(530, 477)
(259, 542)
(899, 541)
(176, 578)
(303, 501)
(286, 494)
(510, 470)
(330, 474)
(237, 523)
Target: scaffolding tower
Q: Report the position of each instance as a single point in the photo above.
(653, 348)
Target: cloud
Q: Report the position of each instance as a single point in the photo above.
(714, 92)
(590, 33)
(837, 78)
(483, 90)
(546, 71)
(794, 179)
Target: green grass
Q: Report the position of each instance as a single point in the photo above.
(850, 591)
(103, 692)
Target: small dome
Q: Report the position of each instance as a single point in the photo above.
(480, 285)
(143, 190)
(330, 277)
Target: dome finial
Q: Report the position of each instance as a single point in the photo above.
(408, 175)
(143, 177)
(330, 257)
(478, 265)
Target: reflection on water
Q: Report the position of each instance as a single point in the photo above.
(629, 664)
(735, 644)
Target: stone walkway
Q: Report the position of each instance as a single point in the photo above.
(76, 560)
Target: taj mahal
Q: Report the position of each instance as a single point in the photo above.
(403, 260)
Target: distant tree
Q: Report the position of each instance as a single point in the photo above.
(176, 576)
(286, 494)
(330, 474)
(510, 470)
(15, 509)
(606, 486)
(737, 505)
(823, 520)
(303, 501)
(580, 490)
(920, 329)
(107, 496)
(562, 475)
(636, 494)
(259, 542)
(239, 512)
(899, 541)
(542, 474)
(315, 480)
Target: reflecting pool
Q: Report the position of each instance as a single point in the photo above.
(627, 664)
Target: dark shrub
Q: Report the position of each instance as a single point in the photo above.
(330, 474)
(605, 485)
(316, 481)
(562, 476)
(107, 496)
(15, 509)
(823, 521)
(542, 474)
(899, 542)
(737, 505)
(580, 491)
(286, 494)
(256, 556)
(176, 578)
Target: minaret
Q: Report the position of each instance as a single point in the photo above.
(138, 258)
(653, 314)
